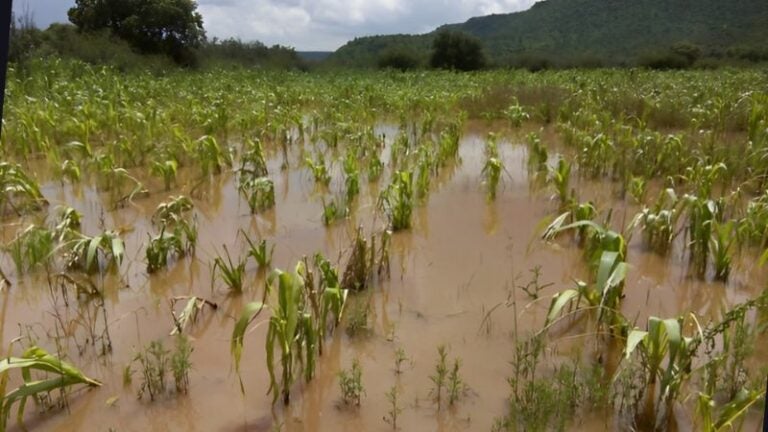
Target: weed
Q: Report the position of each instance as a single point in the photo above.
(400, 359)
(440, 375)
(351, 384)
(393, 398)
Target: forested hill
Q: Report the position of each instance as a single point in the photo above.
(605, 31)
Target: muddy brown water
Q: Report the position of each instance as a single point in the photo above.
(463, 256)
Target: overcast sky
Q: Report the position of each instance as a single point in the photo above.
(312, 24)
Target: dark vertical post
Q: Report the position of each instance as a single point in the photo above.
(765, 409)
(5, 36)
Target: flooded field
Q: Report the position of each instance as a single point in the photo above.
(473, 274)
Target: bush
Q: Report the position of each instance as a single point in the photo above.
(457, 51)
(664, 60)
(400, 59)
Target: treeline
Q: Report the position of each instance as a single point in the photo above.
(103, 47)
(460, 51)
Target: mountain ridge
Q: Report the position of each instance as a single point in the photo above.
(610, 31)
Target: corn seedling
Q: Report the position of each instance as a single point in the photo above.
(662, 340)
(492, 172)
(537, 153)
(259, 193)
(604, 294)
(659, 223)
(211, 157)
(90, 254)
(334, 210)
(516, 114)
(232, 273)
(397, 200)
(721, 243)
(319, 170)
(172, 210)
(351, 177)
(253, 162)
(166, 170)
(32, 247)
(59, 375)
(260, 252)
(560, 177)
(18, 192)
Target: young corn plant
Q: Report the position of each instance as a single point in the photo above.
(211, 157)
(19, 193)
(397, 200)
(516, 114)
(537, 153)
(659, 223)
(492, 173)
(319, 170)
(334, 210)
(92, 254)
(166, 170)
(260, 252)
(721, 244)
(351, 177)
(33, 247)
(172, 210)
(560, 178)
(177, 242)
(59, 375)
(259, 193)
(702, 218)
(253, 162)
(663, 340)
(232, 273)
(602, 296)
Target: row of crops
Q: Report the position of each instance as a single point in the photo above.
(111, 180)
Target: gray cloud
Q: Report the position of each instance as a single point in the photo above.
(314, 24)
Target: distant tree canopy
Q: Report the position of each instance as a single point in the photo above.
(171, 27)
(458, 51)
(399, 58)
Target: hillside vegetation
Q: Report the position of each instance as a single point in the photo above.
(599, 32)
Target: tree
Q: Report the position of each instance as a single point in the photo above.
(171, 27)
(399, 58)
(458, 51)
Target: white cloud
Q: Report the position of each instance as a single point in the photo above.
(316, 24)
